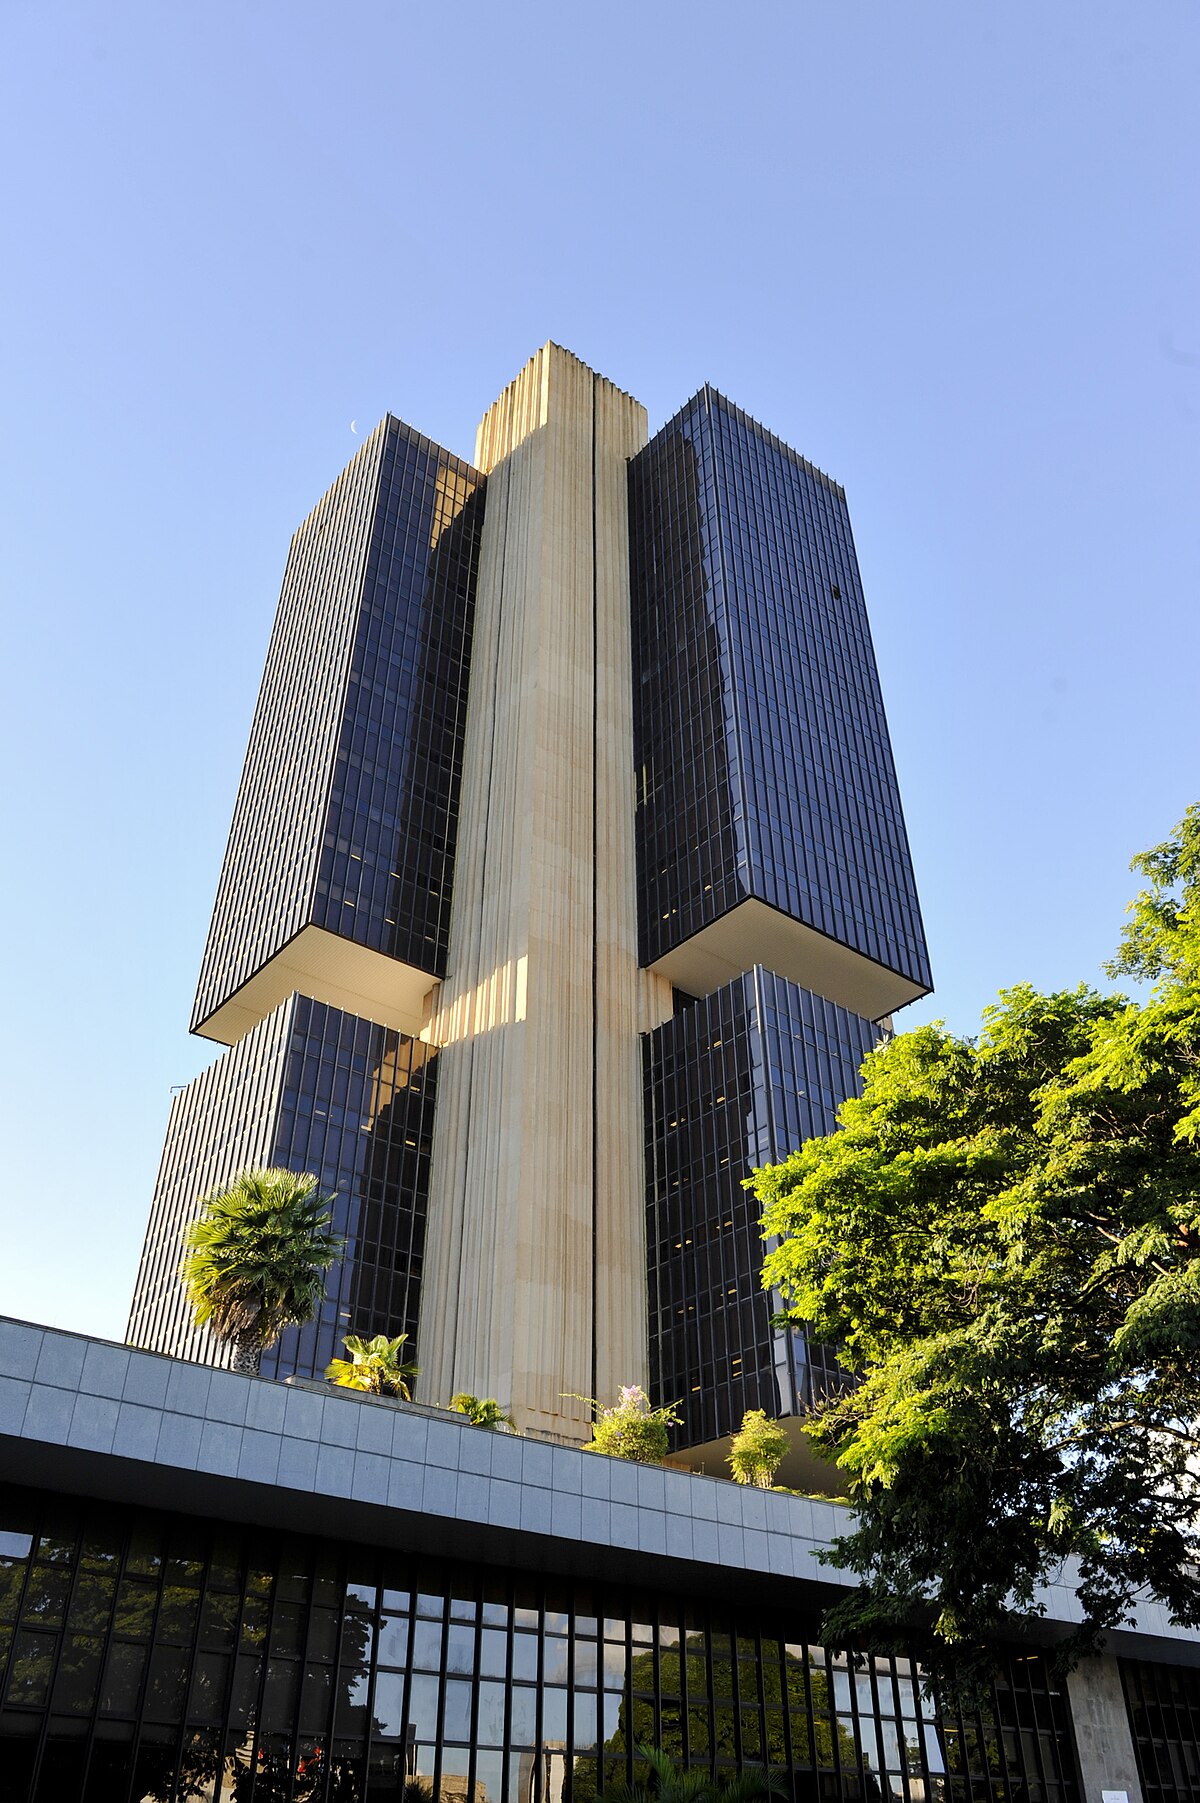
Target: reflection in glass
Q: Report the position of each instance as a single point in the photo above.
(525, 1657)
(456, 1723)
(554, 1660)
(388, 1706)
(267, 1721)
(423, 1707)
(460, 1650)
(491, 1714)
(393, 1639)
(524, 1716)
(493, 1653)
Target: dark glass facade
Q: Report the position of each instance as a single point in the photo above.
(1164, 1716)
(765, 774)
(765, 767)
(348, 806)
(345, 821)
(737, 1079)
(310, 1089)
(148, 1656)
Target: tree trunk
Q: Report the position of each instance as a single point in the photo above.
(247, 1353)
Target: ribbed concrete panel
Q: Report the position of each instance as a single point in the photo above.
(621, 1329)
(535, 1183)
(1107, 1760)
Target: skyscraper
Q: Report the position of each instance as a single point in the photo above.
(567, 880)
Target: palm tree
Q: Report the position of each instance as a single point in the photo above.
(255, 1260)
(375, 1366)
(481, 1411)
(667, 1782)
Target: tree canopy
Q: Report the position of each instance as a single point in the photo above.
(1003, 1241)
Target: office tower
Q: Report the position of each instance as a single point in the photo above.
(775, 886)
(567, 880)
(333, 907)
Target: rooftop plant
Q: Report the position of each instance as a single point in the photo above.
(375, 1366)
(759, 1448)
(631, 1429)
(481, 1411)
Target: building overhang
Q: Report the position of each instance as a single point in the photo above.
(756, 933)
(86, 1417)
(327, 968)
(802, 1467)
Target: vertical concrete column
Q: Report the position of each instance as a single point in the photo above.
(1107, 1761)
(621, 1350)
(535, 1253)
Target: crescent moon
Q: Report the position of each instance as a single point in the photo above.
(354, 427)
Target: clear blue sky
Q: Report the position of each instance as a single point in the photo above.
(949, 251)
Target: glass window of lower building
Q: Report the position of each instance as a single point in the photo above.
(147, 1657)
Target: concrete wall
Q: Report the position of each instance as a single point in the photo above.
(534, 1288)
(99, 1419)
(1102, 1739)
(91, 1418)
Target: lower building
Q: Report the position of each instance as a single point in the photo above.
(239, 1590)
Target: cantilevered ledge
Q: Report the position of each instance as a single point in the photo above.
(330, 969)
(756, 933)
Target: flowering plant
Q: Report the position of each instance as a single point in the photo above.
(631, 1429)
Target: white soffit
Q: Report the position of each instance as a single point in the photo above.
(755, 933)
(330, 969)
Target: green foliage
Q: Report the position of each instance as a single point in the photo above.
(759, 1448)
(481, 1411)
(665, 1781)
(375, 1366)
(792, 1689)
(255, 1260)
(631, 1429)
(1004, 1242)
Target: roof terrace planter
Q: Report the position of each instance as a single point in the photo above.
(320, 1386)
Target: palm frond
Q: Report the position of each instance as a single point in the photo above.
(375, 1366)
(255, 1259)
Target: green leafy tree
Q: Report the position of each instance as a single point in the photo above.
(800, 1687)
(376, 1366)
(1004, 1242)
(665, 1781)
(758, 1449)
(481, 1411)
(631, 1429)
(255, 1260)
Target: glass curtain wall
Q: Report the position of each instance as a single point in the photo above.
(760, 739)
(1164, 1716)
(146, 1657)
(332, 1094)
(738, 1079)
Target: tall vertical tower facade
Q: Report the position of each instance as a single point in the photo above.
(775, 885)
(567, 881)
